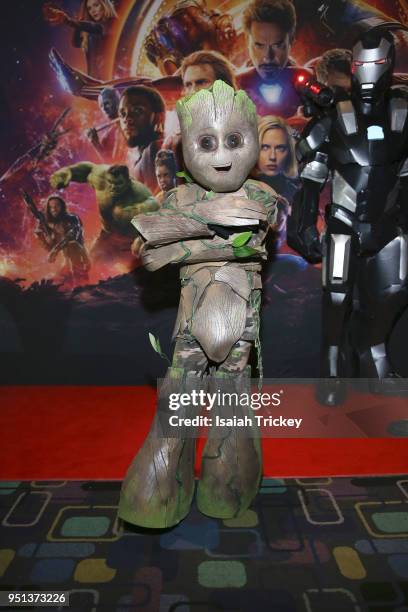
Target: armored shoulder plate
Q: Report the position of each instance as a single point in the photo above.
(316, 170)
(346, 116)
(314, 136)
(398, 108)
(404, 168)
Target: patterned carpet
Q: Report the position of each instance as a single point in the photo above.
(328, 545)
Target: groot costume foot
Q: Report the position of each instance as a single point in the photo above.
(159, 485)
(231, 466)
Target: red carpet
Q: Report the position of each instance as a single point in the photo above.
(64, 433)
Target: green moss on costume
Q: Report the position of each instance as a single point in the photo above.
(219, 96)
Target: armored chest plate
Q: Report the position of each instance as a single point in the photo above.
(366, 140)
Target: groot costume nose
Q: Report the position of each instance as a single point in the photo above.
(214, 229)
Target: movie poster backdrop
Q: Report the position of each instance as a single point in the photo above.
(93, 84)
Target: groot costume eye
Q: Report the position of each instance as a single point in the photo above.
(206, 234)
(233, 141)
(208, 143)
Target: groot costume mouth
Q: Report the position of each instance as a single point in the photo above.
(223, 168)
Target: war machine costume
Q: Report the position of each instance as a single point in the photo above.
(361, 143)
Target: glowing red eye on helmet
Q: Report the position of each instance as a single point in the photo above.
(301, 78)
(381, 61)
(355, 65)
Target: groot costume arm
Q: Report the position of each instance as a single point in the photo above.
(261, 192)
(171, 223)
(183, 218)
(195, 251)
(184, 234)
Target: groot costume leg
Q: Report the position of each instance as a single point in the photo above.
(231, 466)
(159, 485)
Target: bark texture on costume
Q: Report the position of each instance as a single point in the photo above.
(159, 485)
(231, 465)
(217, 325)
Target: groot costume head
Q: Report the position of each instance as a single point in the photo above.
(219, 133)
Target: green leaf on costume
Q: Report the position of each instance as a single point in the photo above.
(155, 342)
(242, 239)
(244, 251)
(184, 175)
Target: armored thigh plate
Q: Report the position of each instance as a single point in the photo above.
(386, 272)
(338, 259)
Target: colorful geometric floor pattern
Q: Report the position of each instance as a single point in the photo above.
(327, 545)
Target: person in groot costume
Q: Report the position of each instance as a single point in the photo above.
(214, 229)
